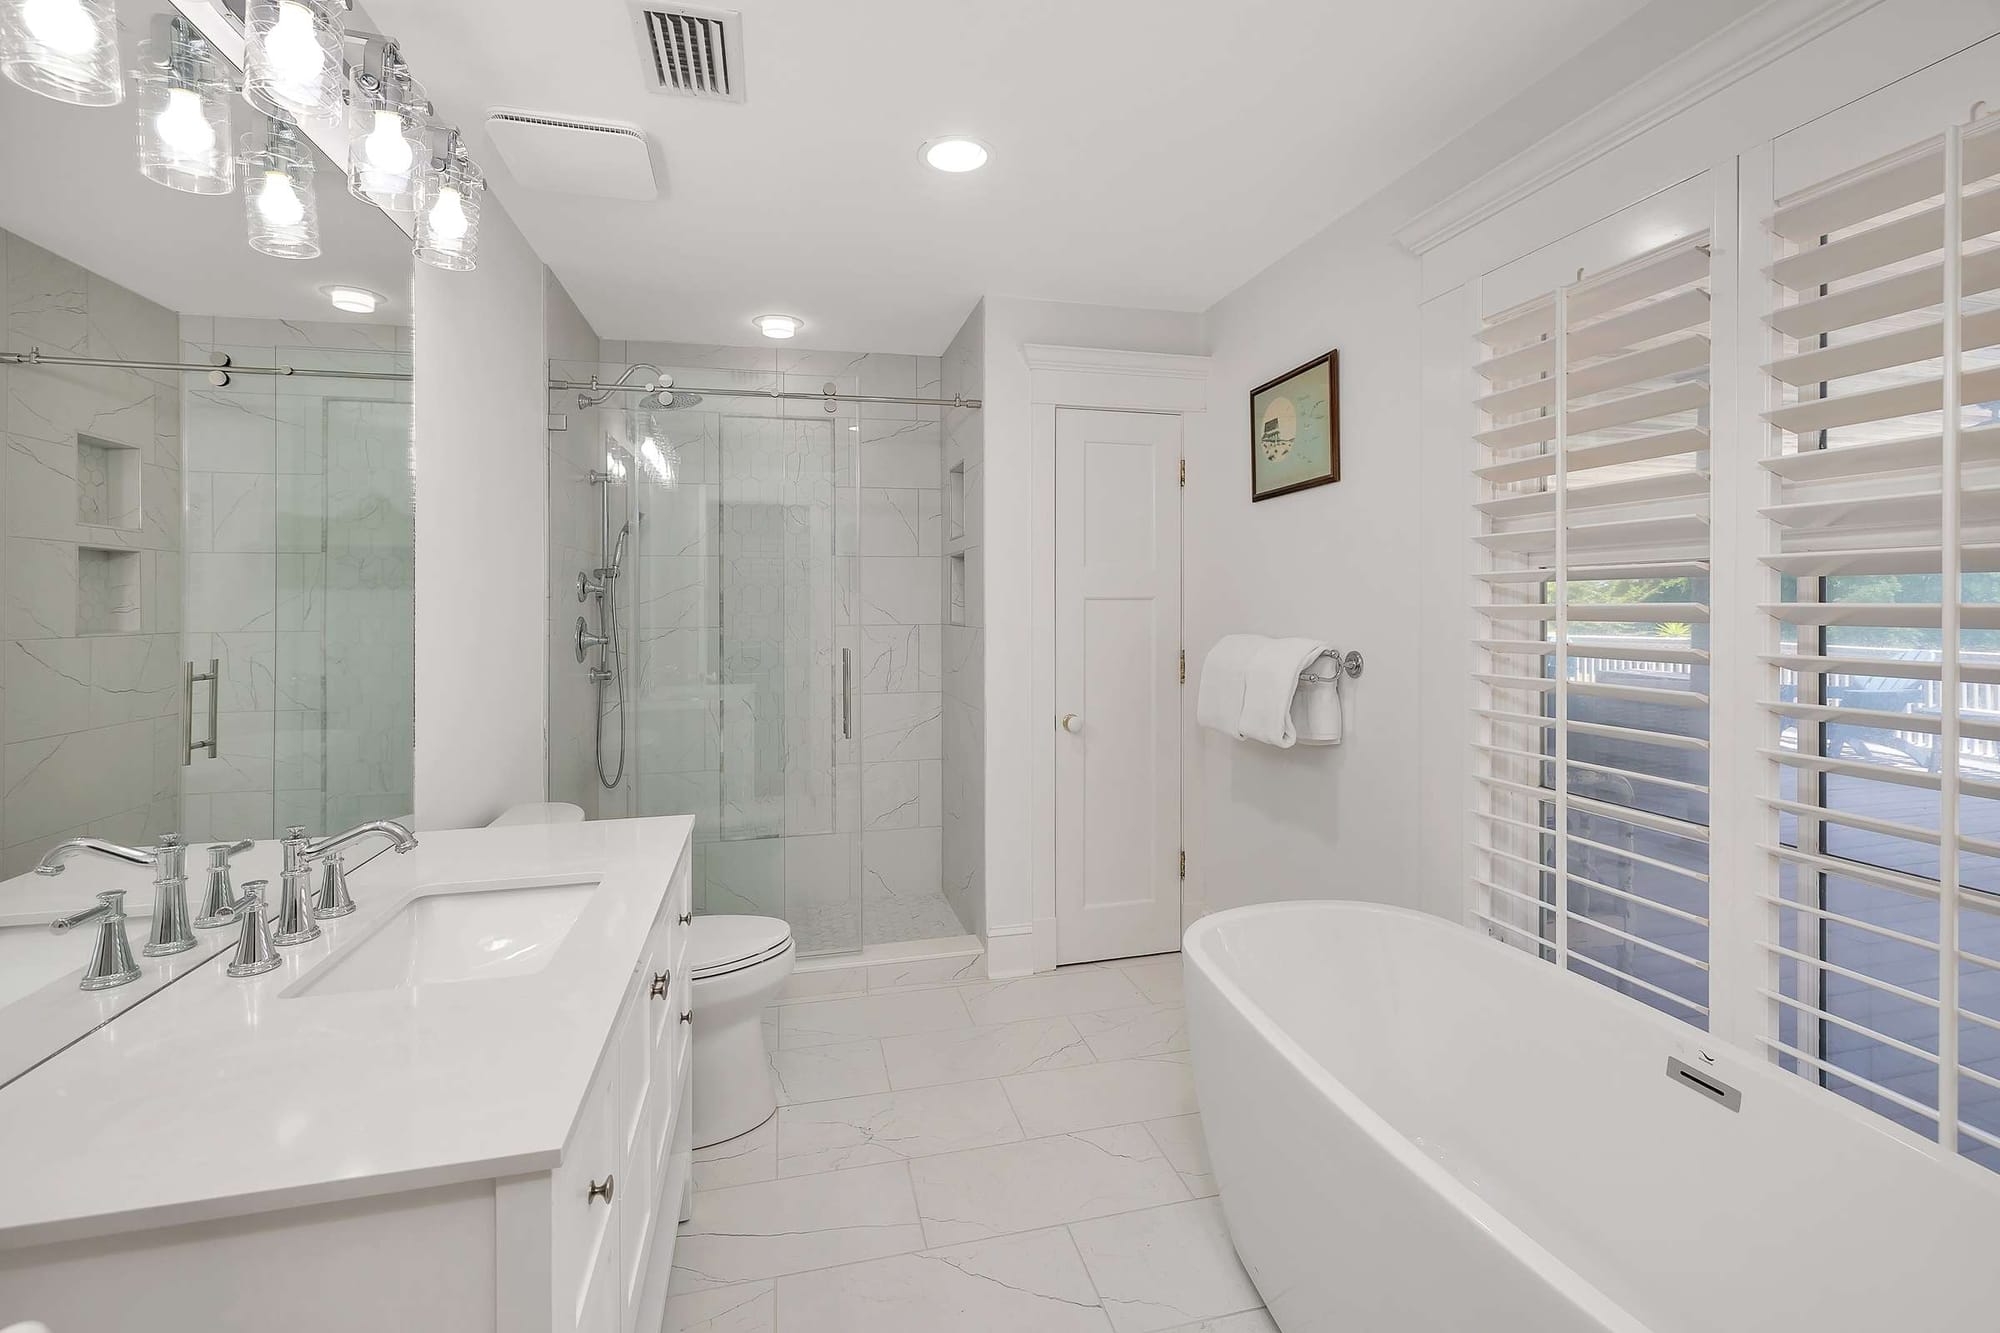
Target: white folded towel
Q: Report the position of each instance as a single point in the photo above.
(1273, 680)
(1225, 672)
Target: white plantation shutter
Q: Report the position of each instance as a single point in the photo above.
(1591, 845)
(1883, 531)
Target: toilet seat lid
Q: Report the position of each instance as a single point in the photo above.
(724, 943)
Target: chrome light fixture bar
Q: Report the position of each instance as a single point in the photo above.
(388, 129)
(64, 49)
(293, 60)
(185, 140)
(448, 209)
(278, 197)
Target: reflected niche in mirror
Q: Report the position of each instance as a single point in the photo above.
(206, 568)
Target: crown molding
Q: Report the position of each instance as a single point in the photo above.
(1766, 34)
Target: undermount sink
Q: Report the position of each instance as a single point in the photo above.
(31, 956)
(457, 934)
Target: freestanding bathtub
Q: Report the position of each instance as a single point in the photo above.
(1416, 1128)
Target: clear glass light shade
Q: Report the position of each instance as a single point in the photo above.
(292, 60)
(387, 144)
(278, 197)
(65, 49)
(184, 100)
(448, 214)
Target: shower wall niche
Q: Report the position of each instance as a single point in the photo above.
(786, 610)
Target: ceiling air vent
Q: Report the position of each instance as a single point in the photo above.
(692, 52)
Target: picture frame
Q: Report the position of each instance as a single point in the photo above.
(1295, 430)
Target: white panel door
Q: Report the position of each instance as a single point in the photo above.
(1118, 684)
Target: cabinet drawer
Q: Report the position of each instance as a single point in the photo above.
(670, 1064)
(583, 1230)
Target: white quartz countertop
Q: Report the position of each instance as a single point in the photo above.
(218, 1097)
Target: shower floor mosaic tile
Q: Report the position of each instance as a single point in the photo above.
(985, 1156)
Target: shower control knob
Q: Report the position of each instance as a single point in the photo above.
(661, 980)
(687, 1016)
(686, 918)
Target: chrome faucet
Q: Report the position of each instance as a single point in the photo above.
(218, 906)
(111, 955)
(300, 909)
(172, 931)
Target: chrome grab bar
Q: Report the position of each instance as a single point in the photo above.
(214, 678)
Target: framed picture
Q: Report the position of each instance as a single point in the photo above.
(1295, 430)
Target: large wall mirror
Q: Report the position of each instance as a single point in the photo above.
(206, 573)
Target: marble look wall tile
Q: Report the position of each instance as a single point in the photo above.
(47, 302)
(892, 1126)
(891, 795)
(901, 453)
(1047, 1182)
(1165, 1267)
(900, 591)
(900, 659)
(40, 589)
(746, 878)
(133, 678)
(902, 727)
(231, 593)
(897, 522)
(1033, 1281)
(48, 687)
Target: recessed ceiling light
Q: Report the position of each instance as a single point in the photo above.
(956, 154)
(354, 300)
(779, 326)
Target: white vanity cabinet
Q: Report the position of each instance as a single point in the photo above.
(606, 1217)
(506, 1156)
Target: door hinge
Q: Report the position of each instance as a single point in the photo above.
(1183, 666)
(1183, 865)
(1184, 473)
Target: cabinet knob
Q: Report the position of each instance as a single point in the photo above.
(601, 1190)
(686, 918)
(687, 1016)
(660, 982)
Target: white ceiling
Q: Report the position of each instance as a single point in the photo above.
(1151, 153)
(72, 185)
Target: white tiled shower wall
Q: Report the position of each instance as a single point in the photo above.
(964, 667)
(867, 812)
(90, 572)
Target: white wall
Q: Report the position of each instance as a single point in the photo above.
(482, 559)
(1378, 562)
(574, 538)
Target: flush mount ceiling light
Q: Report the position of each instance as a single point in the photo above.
(292, 62)
(779, 326)
(65, 49)
(354, 300)
(956, 154)
(184, 97)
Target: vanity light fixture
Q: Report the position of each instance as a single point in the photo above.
(779, 326)
(292, 61)
(354, 300)
(956, 153)
(448, 210)
(388, 130)
(184, 97)
(278, 192)
(64, 49)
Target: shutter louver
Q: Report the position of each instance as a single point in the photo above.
(1591, 847)
(1883, 936)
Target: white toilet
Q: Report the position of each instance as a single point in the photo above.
(739, 964)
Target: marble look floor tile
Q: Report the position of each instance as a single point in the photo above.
(821, 983)
(1020, 1284)
(1165, 1267)
(1159, 978)
(748, 1307)
(822, 1022)
(1061, 1101)
(1180, 1139)
(984, 1052)
(1050, 994)
(1120, 1034)
(927, 972)
(967, 1196)
(788, 1226)
(893, 1126)
(1249, 1321)
(822, 1073)
(739, 1161)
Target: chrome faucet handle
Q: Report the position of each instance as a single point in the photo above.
(218, 906)
(172, 932)
(256, 951)
(111, 962)
(333, 898)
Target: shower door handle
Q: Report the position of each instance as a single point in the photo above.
(214, 678)
(846, 694)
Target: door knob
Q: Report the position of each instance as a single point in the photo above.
(1072, 723)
